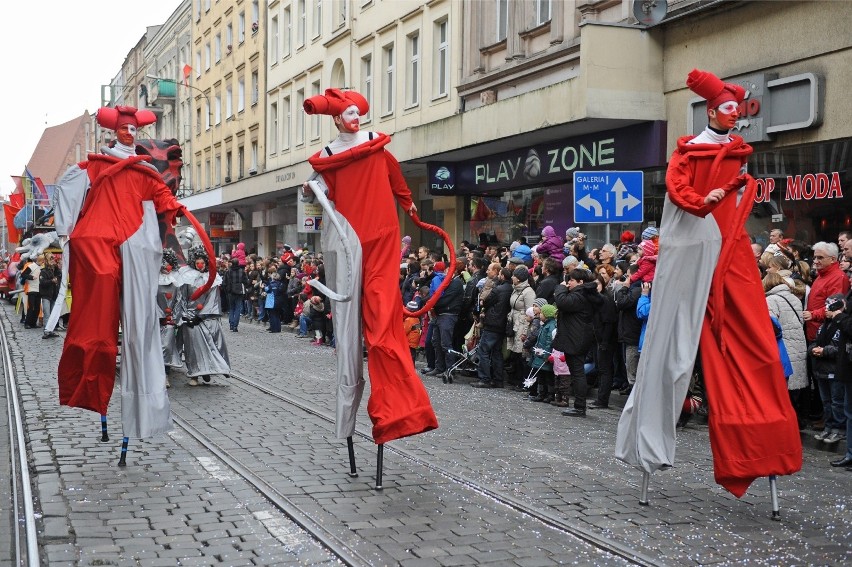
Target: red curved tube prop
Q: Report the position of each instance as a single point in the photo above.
(211, 256)
(451, 267)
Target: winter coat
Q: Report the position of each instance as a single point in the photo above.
(543, 345)
(523, 252)
(606, 322)
(787, 309)
(521, 299)
(411, 326)
(575, 332)
(240, 254)
(629, 326)
(451, 300)
(824, 367)
(233, 277)
(551, 244)
(496, 307)
(546, 286)
(844, 345)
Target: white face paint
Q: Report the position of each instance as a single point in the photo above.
(349, 120)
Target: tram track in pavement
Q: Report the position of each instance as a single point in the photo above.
(346, 553)
(21, 530)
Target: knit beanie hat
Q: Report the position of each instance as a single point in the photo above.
(406, 239)
(627, 236)
(650, 233)
(522, 274)
(516, 260)
(540, 302)
(572, 232)
(530, 313)
(412, 305)
(440, 266)
(514, 245)
(549, 311)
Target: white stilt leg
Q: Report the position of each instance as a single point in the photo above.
(773, 491)
(643, 497)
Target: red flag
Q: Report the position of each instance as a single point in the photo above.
(187, 70)
(19, 184)
(10, 213)
(17, 200)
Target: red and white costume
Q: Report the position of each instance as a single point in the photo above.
(362, 180)
(708, 293)
(107, 208)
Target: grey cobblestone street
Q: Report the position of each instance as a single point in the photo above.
(176, 503)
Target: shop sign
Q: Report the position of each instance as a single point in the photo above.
(805, 187)
(308, 216)
(771, 105)
(634, 147)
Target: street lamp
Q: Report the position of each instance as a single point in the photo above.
(177, 115)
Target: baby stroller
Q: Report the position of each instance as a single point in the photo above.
(467, 361)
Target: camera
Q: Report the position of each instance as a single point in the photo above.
(835, 305)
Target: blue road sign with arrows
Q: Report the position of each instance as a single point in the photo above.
(608, 196)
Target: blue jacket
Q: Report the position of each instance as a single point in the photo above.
(643, 309)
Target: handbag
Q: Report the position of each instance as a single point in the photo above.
(510, 328)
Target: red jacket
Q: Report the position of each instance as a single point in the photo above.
(829, 281)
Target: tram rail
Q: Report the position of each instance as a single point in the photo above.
(344, 552)
(24, 534)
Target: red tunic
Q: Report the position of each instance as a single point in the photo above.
(753, 428)
(362, 182)
(111, 214)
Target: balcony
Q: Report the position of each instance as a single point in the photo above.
(162, 92)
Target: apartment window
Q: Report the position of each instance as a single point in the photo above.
(228, 158)
(315, 118)
(303, 24)
(241, 95)
(367, 83)
(208, 178)
(340, 13)
(254, 155)
(241, 160)
(316, 27)
(412, 84)
(442, 59)
(273, 131)
(241, 27)
(198, 122)
(287, 29)
(198, 64)
(217, 170)
(217, 47)
(286, 117)
(255, 16)
(197, 10)
(387, 56)
(542, 11)
(207, 56)
(255, 87)
(229, 36)
(217, 109)
(229, 102)
(300, 117)
(206, 5)
(273, 40)
(207, 110)
(502, 18)
(198, 174)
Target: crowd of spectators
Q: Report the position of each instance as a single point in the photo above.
(555, 320)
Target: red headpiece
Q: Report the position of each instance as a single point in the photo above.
(335, 101)
(114, 118)
(710, 87)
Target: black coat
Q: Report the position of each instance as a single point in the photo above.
(496, 308)
(235, 276)
(451, 300)
(546, 286)
(606, 322)
(844, 346)
(575, 333)
(629, 325)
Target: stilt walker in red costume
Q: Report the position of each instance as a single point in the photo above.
(106, 211)
(717, 303)
(362, 180)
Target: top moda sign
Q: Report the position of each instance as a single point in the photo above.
(634, 147)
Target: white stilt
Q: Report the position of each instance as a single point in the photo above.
(773, 491)
(643, 497)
